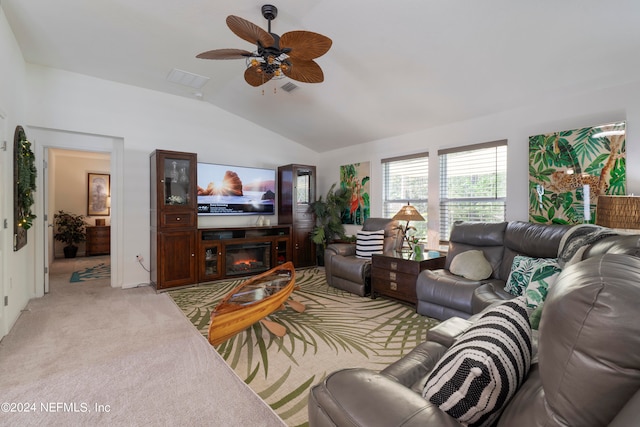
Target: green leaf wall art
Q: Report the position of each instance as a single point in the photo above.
(355, 177)
(568, 170)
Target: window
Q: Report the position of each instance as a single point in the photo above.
(404, 180)
(473, 184)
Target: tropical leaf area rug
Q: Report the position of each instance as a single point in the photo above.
(337, 330)
(100, 271)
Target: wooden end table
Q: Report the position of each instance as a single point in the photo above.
(394, 275)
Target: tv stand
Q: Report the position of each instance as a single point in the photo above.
(241, 251)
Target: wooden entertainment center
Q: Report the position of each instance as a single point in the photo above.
(241, 251)
(184, 255)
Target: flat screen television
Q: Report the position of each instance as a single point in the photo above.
(235, 190)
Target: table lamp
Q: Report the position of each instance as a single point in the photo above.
(407, 213)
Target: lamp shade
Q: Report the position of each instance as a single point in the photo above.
(408, 213)
(618, 212)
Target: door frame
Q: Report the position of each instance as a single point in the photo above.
(6, 234)
(78, 141)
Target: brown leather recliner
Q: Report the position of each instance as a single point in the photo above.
(586, 371)
(347, 272)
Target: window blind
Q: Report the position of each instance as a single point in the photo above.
(473, 184)
(405, 180)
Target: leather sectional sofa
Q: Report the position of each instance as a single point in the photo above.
(584, 368)
(442, 294)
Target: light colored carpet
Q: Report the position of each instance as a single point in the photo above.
(338, 330)
(132, 352)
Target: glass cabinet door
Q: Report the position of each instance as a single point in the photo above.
(210, 261)
(177, 183)
(303, 187)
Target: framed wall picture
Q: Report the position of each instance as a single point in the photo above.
(98, 194)
(355, 177)
(568, 170)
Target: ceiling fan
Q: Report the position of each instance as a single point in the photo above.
(291, 55)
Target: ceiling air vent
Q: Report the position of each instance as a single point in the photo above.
(186, 78)
(289, 87)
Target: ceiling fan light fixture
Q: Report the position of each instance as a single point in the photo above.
(275, 57)
(269, 65)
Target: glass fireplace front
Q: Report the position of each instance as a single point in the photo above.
(248, 258)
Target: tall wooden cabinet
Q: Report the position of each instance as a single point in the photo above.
(174, 219)
(296, 191)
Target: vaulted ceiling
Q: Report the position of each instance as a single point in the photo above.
(394, 67)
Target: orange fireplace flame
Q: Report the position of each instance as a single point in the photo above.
(245, 261)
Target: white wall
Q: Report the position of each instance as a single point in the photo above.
(16, 268)
(145, 121)
(588, 109)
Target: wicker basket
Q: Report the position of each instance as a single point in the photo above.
(618, 212)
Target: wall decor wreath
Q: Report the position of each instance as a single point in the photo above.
(24, 187)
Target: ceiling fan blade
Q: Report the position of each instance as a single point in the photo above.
(224, 54)
(305, 44)
(307, 71)
(254, 78)
(249, 31)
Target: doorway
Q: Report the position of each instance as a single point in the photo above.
(67, 188)
(44, 140)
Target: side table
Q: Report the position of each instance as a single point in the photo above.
(395, 275)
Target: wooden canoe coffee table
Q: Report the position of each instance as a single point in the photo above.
(394, 275)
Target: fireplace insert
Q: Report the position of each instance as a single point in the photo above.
(248, 258)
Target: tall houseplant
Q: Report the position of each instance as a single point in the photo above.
(328, 214)
(70, 230)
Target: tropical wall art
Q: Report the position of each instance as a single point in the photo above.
(355, 177)
(568, 170)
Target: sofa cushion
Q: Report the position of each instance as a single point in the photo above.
(524, 269)
(369, 243)
(471, 265)
(478, 375)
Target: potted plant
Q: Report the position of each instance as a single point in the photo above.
(328, 214)
(70, 230)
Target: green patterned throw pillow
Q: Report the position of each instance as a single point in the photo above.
(541, 280)
(532, 277)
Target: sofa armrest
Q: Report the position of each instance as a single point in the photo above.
(489, 293)
(446, 333)
(412, 369)
(359, 397)
(333, 250)
(344, 249)
(442, 294)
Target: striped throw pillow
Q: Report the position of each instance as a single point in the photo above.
(369, 243)
(480, 373)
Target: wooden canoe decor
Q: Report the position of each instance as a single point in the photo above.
(251, 302)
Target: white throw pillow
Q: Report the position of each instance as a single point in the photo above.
(369, 243)
(471, 265)
(475, 379)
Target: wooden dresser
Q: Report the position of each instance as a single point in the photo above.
(98, 240)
